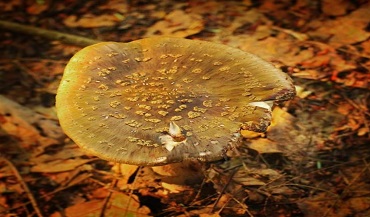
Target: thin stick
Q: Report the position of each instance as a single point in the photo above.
(346, 189)
(223, 189)
(24, 185)
(48, 34)
(114, 184)
(132, 189)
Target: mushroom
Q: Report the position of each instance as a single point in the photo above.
(163, 100)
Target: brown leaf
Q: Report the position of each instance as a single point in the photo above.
(321, 204)
(59, 165)
(21, 122)
(37, 8)
(302, 93)
(209, 215)
(345, 30)
(125, 170)
(100, 193)
(10, 5)
(250, 134)
(178, 24)
(366, 47)
(263, 146)
(69, 151)
(115, 5)
(91, 21)
(255, 176)
(336, 7)
(82, 209)
(119, 205)
(173, 188)
(288, 135)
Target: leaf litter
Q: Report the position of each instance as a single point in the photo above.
(312, 160)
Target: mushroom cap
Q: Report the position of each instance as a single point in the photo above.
(162, 100)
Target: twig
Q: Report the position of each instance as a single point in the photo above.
(346, 189)
(224, 189)
(48, 34)
(24, 185)
(199, 192)
(103, 209)
(132, 189)
(51, 193)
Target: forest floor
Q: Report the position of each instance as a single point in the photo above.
(313, 160)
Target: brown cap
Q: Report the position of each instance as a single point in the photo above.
(162, 100)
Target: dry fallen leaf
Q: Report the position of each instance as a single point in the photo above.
(116, 5)
(263, 146)
(91, 21)
(336, 7)
(324, 205)
(255, 176)
(173, 188)
(37, 8)
(68, 152)
(119, 204)
(70, 178)
(59, 165)
(10, 5)
(126, 171)
(29, 127)
(248, 134)
(178, 24)
(209, 215)
(301, 92)
(345, 30)
(366, 47)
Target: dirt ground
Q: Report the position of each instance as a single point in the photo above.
(312, 161)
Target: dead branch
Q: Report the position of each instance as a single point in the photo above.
(48, 34)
